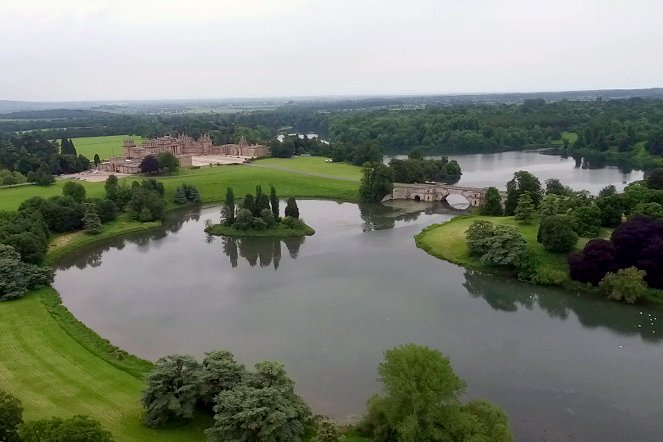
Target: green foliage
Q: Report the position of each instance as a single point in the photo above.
(525, 208)
(626, 285)
(291, 209)
(376, 182)
(654, 179)
(263, 408)
(551, 204)
(187, 193)
(9, 180)
(248, 203)
(261, 201)
(422, 402)
(11, 416)
(146, 203)
(587, 220)
(228, 208)
(476, 237)
(555, 187)
(96, 160)
(43, 176)
(91, 221)
(172, 390)
(75, 429)
(611, 209)
(268, 217)
(652, 210)
(244, 219)
(328, 431)
(522, 182)
(74, 190)
(274, 202)
(505, 247)
(493, 204)
(420, 170)
(220, 372)
(17, 277)
(557, 233)
(168, 163)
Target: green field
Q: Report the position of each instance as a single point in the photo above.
(313, 165)
(105, 147)
(55, 375)
(213, 182)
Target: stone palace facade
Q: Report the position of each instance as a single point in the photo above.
(183, 147)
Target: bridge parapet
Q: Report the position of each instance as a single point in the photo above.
(437, 192)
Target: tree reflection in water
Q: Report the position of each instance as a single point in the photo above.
(263, 251)
(592, 311)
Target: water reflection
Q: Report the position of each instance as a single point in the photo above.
(508, 296)
(386, 216)
(263, 251)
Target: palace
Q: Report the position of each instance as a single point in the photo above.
(183, 147)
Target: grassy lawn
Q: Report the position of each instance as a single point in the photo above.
(447, 241)
(105, 147)
(314, 165)
(45, 365)
(212, 183)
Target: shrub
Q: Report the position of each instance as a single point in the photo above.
(556, 233)
(258, 224)
(268, 217)
(328, 431)
(11, 416)
(244, 219)
(75, 429)
(626, 285)
(587, 220)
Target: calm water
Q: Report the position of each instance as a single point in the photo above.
(563, 366)
(495, 169)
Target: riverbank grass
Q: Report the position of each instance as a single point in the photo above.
(280, 230)
(58, 367)
(447, 241)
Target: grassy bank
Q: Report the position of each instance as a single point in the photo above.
(313, 165)
(59, 367)
(278, 231)
(447, 241)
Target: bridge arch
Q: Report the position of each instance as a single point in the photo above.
(437, 192)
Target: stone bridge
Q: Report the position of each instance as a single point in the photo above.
(436, 192)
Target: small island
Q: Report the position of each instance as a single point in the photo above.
(258, 215)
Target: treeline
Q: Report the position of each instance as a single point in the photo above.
(27, 152)
(421, 401)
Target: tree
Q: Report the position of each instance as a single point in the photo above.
(376, 182)
(555, 187)
(477, 235)
(91, 221)
(595, 260)
(76, 429)
(556, 233)
(17, 277)
(228, 208)
(551, 204)
(97, 160)
(655, 142)
(493, 204)
(291, 208)
(652, 210)
(43, 176)
(264, 408)
(9, 180)
(328, 431)
(525, 208)
(626, 285)
(522, 182)
(168, 163)
(11, 416)
(172, 390)
(111, 186)
(261, 201)
(244, 219)
(415, 154)
(506, 247)
(611, 210)
(249, 203)
(654, 179)
(149, 164)
(220, 372)
(587, 220)
(180, 195)
(274, 201)
(75, 190)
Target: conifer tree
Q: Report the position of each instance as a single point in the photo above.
(228, 209)
(525, 208)
(91, 221)
(274, 201)
(180, 195)
(291, 208)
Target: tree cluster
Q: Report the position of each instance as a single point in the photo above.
(418, 170)
(55, 429)
(164, 163)
(247, 406)
(421, 402)
(499, 245)
(187, 193)
(31, 152)
(257, 212)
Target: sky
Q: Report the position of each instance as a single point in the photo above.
(66, 50)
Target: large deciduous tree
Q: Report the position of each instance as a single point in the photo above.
(593, 262)
(376, 182)
(492, 206)
(168, 163)
(172, 390)
(74, 190)
(11, 416)
(522, 182)
(149, 164)
(556, 233)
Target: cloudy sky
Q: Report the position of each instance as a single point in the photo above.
(151, 49)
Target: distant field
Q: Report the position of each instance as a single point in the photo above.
(314, 165)
(105, 147)
(213, 182)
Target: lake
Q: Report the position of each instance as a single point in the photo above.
(564, 366)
